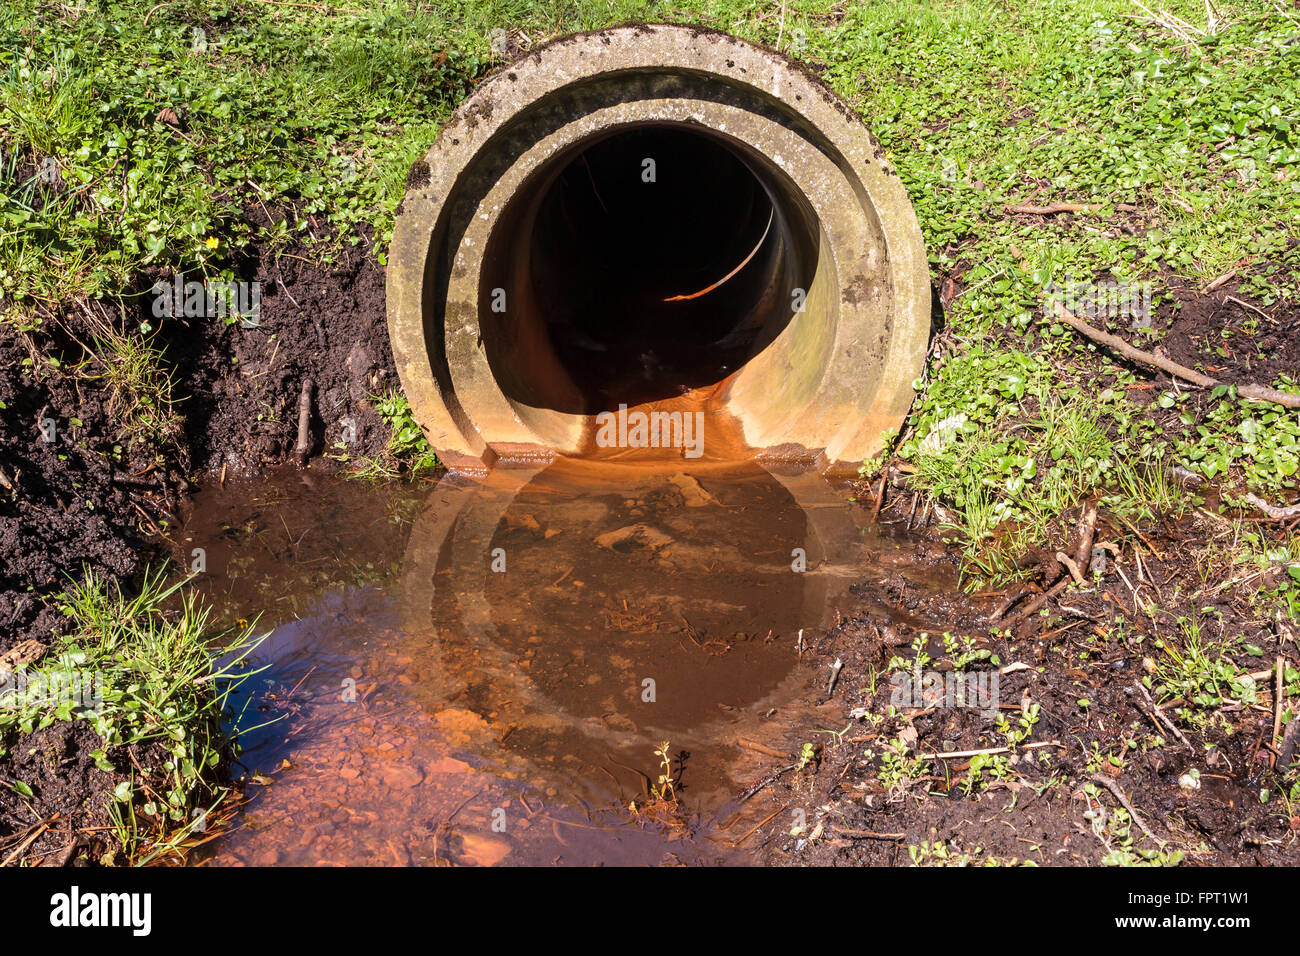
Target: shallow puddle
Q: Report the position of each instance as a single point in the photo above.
(480, 672)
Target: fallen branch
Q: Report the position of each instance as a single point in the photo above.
(754, 829)
(947, 755)
(1219, 281)
(1257, 393)
(757, 747)
(1162, 719)
(1290, 740)
(1069, 562)
(1279, 698)
(28, 839)
(303, 448)
(1051, 208)
(1087, 530)
(1038, 602)
(26, 652)
(835, 676)
(1013, 595)
(880, 497)
(1246, 305)
(1275, 512)
(868, 834)
(767, 782)
(1113, 787)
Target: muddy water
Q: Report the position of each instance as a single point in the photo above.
(479, 673)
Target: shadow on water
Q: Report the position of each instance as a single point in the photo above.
(480, 673)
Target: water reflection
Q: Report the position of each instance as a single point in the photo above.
(493, 691)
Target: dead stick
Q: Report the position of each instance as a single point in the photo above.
(1290, 740)
(1246, 305)
(1087, 533)
(41, 828)
(1113, 787)
(1038, 602)
(760, 748)
(1073, 566)
(835, 676)
(1279, 693)
(770, 780)
(869, 834)
(1273, 511)
(1258, 393)
(947, 755)
(303, 448)
(752, 830)
(1160, 716)
(1051, 208)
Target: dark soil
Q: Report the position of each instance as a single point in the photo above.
(1091, 646)
(74, 503)
(1259, 347)
(69, 793)
(65, 507)
(1092, 643)
(319, 320)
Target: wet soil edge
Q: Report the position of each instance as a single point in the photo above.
(76, 495)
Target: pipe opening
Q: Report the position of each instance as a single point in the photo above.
(769, 278)
(640, 266)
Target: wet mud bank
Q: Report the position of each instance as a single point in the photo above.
(104, 434)
(97, 457)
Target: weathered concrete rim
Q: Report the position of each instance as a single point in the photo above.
(852, 410)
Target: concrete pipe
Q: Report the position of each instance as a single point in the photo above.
(665, 220)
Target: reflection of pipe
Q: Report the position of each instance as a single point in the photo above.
(460, 518)
(474, 325)
(445, 579)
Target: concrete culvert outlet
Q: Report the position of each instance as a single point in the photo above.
(662, 219)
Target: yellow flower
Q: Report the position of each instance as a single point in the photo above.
(213, 242)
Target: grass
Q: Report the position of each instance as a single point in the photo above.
(408, 454)
(140, 389)
(141, 145)
(146, 681)
(1200, 672)
(939, 853)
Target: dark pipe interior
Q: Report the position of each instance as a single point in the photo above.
(610, 271)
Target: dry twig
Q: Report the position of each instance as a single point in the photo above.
(303, 448)
(1113, 787)
(1051, 209)
(1277, 513)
